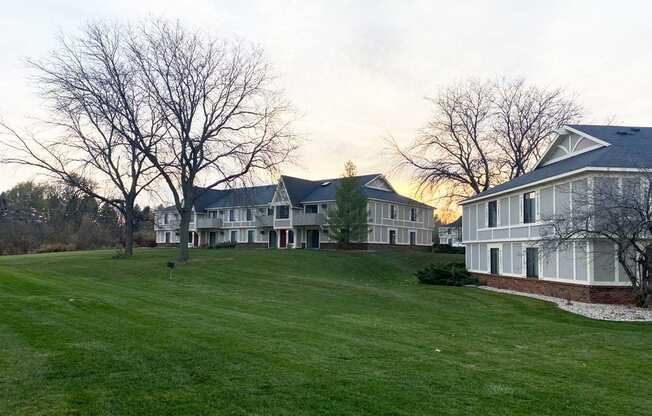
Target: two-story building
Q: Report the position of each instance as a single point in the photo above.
(294, 214)
(451, 234)
(503, 227)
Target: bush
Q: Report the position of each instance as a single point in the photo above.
(55, 248)
(446, 249)
(227, 244)
(449, 274)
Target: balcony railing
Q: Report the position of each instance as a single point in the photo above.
(308, 219)
(172, 222)
(265, 220)
(205, 222)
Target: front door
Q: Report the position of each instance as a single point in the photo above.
(272, 239)
(211, 238)
(195, 239)
(283, 234)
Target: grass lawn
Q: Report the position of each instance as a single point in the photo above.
(297, 332)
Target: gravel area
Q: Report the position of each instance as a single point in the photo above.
(599, 311)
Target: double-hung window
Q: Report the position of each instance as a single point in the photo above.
(231, 215)
(492, 208)
(529, 207)
(282, 212)
(413, 214)
(392, 212)
(249, 214)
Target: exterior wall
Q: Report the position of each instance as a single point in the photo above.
(380, 224)
(587, 263)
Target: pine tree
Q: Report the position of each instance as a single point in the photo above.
(348, 222)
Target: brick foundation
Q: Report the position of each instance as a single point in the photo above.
(571, 291)
(377, 247)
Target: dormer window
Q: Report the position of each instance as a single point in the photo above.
(492, 214)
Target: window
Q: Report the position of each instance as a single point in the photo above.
(492, 207)
(167, 237)
(311, 209)
(494, 256)
(249, 214)
(282, 212)
(413, 214)
(234, 236)
(529, 207)
(324, 208)
(165, 218)
(413, 238)
(231, 215)
(250, 236)
(270, 211)
(392, 211)
(392, 236)
(532, 262)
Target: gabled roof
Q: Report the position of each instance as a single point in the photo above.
(326, 189)
(238, 197)
(628, 147)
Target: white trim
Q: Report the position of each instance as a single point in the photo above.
(552, 178)
(380, 189)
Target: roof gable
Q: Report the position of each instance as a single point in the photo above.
(379, 182)
(569, 143)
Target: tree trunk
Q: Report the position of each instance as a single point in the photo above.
(184, 228)
(129, 233)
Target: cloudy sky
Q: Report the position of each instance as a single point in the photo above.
(359, 70)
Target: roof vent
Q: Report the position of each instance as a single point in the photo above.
(325, 183)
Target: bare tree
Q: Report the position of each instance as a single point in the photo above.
(482, 133)
(223, 120)
(616, 210)
(455, 148)
(526, 117)
(101, 118)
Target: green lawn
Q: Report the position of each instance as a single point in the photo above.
(297, 332)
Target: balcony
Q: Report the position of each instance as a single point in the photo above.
(265, 220)
(206, 222)
(308, 219)
(170, 224)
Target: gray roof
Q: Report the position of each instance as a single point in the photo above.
(299, 190)
(629, 147)
(325, 190)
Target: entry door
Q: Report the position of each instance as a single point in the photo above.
(313, 238)
(211, 238)
(494, 255)
(284, 238)
(272, 239)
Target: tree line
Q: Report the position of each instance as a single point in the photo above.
(44, 217)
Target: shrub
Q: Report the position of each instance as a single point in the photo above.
(446, 249)
(227, 244)
(448, 274)
(55, 248)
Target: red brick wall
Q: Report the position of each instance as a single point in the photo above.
(571, 291)
(377, 247)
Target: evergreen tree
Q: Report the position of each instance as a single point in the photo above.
(348, 222)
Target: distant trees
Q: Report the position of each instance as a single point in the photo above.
(483, 133)
(348, 222)
(53, 217)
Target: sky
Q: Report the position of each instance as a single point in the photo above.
(359, 71)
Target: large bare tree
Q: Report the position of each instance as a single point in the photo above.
(99, 120)
(223, 119)
(482, 133)
(614, 213)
